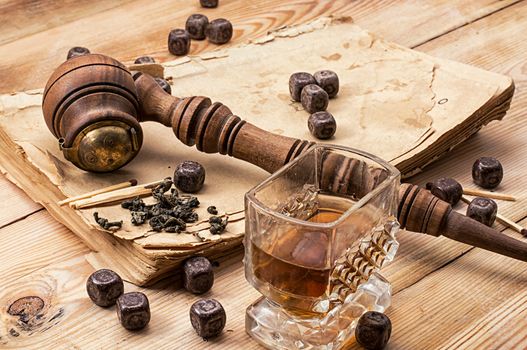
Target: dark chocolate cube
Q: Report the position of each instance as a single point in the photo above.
(178, 42)
(207, 317)
(104, 287)
(314, 98)
(198, 276)
(297, 81)
(329, 81)
(219, 31)
(196, 25)
(133, 310)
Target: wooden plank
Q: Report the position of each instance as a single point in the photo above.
(28, 17)
(70, 320)
(498, 329)
(143, 25)
(14, 203)
(456, 306)
(37, 241)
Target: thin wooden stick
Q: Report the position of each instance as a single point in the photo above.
(508, 222)
(117, 195)
(118, 186)
(487, 194)
(504, 220)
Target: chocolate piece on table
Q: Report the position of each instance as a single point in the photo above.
(144, 59)
(314, 98)
(297, 81)
(329, 81)
(446, 189)
(373, 330)
(208, 3)
(77, 51)
(133, 310)
(207, 317)
(487, 172)
(164, 84)
(219, 31)
(196, 25)
(198, 276)
(189, 176)
(483, 210)
(104, 287)
(322, 125)
(178, 42)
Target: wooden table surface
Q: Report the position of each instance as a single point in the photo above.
(446, 294)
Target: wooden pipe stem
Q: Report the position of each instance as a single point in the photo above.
(463, 229)
(212, 127)
(420, 211)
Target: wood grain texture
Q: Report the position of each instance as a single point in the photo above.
(454, 298)
(143, 27)
(27, 17)
(14, 204)
(69, 319)
(489, 313)
(37, 241)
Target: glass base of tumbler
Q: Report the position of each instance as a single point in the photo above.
(278, 328)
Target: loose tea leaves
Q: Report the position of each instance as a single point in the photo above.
(106, 224)
(171, 213)
(217, 224)
(212, 210)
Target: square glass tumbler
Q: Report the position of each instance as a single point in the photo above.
(317, 232)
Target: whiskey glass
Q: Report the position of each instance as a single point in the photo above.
(317, 232)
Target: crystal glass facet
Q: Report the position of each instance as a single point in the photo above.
(317, 233)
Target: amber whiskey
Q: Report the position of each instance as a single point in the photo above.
(297, 262)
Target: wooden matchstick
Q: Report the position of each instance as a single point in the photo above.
(504, 220)
(114, 196)
(487, 194)
(508, 222)
(118, 186)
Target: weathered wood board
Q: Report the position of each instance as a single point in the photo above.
(403, 105)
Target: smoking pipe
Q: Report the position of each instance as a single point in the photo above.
(93, 106)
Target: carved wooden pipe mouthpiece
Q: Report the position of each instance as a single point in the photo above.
(93, 106)
(418, 209)
(421, 211)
